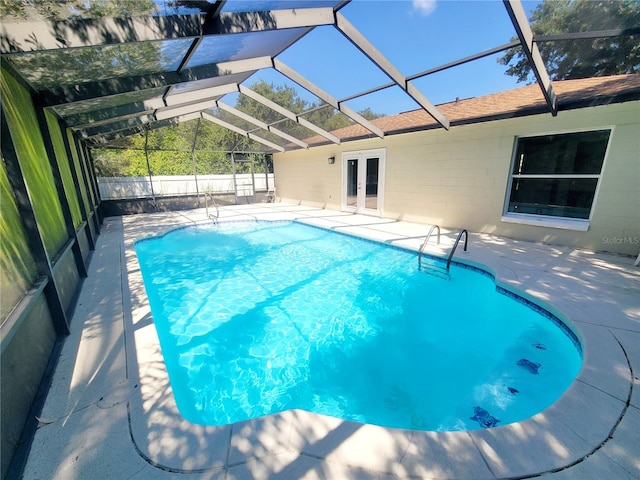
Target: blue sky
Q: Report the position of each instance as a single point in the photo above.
(415, 36)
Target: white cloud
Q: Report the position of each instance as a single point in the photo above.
(424, 7)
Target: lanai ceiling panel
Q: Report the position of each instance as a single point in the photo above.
(493, 82)
(243, 46)
(112, 101)
(392, 95)
(230, 118)
(74, 66)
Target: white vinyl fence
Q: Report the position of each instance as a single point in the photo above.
(112, 188)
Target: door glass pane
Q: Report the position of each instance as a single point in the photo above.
(352, 183)
(372, 183)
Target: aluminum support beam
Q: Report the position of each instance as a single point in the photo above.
(318, 92)
(199, 94)
(115, 126)
(361, 42)
(242, 22)
(523, 29)
(231, 67)
(286, 136)
(185, 60)
(258, 123)
(290, 115)
(256, 138)
(170, 112)
(161, 113)
(86, 165)
(619, 32)
(242, 115)
(181, 112)
(55, 35)
(440, 68)
(112, 114)
(104, 137)
(462, 61)
(242, 132)
(228, 72)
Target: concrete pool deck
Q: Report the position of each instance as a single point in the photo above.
(110, 413)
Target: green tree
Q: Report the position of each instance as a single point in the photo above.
(62, 9)
(581, 58)
(329, 119)
(369, 114)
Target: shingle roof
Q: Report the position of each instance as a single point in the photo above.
(527, 100)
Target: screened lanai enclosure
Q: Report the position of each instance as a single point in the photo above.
(118, 107)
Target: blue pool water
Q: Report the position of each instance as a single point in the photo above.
(260, 317)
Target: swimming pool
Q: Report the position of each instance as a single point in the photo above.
(256, 318)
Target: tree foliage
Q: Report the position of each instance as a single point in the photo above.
(63, 9)
(169, 151)
(585, 58)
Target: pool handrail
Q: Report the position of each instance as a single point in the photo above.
(424, 244)
(455, 245)
(212, 216)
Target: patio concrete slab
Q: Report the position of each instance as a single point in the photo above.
(529, 448)
(88, 443)
(595, 467)
(324, 222)
(111, 413)
(367, 447)
(292, 465)
(450, 454)
(93, 355)
(612, 377)
(260, 437)
(630, 342)
(587, 417)
(369, 233)
(624, 446)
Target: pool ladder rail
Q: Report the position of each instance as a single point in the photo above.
(437, 269)
(211, 216)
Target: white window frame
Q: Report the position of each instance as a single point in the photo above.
(550, 221)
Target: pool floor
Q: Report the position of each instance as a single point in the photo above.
(110, 412)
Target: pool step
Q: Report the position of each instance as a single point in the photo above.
(435, 270)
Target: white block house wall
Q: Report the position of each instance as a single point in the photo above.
(459, 178)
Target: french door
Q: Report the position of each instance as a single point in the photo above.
(363, 181)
